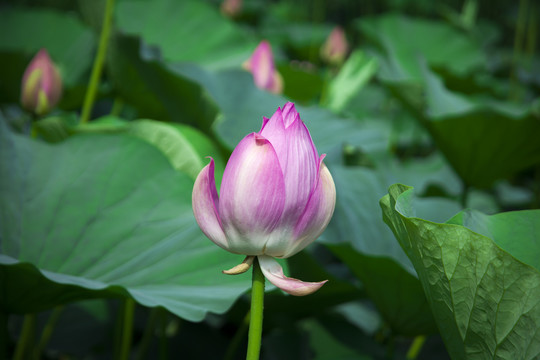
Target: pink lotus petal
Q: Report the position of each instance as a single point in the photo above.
(205, 204)
(274, 273)
(299, 161)
(261, 65)
(252, 195)
(318, 212)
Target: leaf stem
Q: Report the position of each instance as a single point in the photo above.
(416, 347)
(233, 345)
(148, 333)
(27, 336)
(256, 318)
(129, 310)
(99, 61)
(47, 331)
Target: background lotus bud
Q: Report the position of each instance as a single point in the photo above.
(335, 47)
(41, 86)
(277, 196)
(261, 65)
(231, 8)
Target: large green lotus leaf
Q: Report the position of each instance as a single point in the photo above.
(356, 218)
(67, 40)
(486, 301)
(505, 229)
(145, 83)
(191, 31)
(104, 215)
(404, 40)
(501, 139)
(243, 106)
(359, 237)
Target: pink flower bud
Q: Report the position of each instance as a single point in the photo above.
(261, 65)
(41, 86)
(277, 196)
(335, 47)
(231, 8)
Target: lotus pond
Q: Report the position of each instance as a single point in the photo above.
(413, 188)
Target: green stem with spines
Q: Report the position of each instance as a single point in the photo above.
(256, 318)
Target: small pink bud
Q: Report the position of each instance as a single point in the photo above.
(261, 65)
(41, 86)
(335, 47)
(231, 8)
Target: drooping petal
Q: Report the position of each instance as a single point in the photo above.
(274, 273)
(252, 195)
(317, 214)
(205, 202)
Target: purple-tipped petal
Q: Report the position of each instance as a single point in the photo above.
(297, 156)
(289, 114)
(274, 273)
(317, 214)
(205, 202)
(252, 195)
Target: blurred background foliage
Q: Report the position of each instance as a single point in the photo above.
(97, 237)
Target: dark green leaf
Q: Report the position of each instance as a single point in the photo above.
(485, 301)
(189, 31)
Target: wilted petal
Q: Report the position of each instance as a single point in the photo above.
(205, 202)
(274, 273)
(317, 214)
(252, 195)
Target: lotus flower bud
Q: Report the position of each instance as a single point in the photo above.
(335, 47)
(231, 8)
(41, 86)
(276, 197)
(261, 65)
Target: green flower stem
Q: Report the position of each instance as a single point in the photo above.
(416, 347)
(256, 318)
(47, 331)
(148, 333)
(99, 61)
(235, 342)
(129, 311)
(27, 337)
